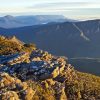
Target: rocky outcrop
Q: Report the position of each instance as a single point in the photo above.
(14, 59)
(37, 66)
(39, 69)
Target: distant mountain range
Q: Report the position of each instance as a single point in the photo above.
(71, 39)
(9, 21)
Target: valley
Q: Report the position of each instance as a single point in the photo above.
(88, 65)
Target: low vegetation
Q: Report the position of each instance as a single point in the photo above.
(13, 45)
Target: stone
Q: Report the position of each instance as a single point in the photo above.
(10, 95)
(55, 72)
(29, 94)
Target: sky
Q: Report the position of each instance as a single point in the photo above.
(76, 9)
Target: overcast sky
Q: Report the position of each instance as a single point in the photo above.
(77, 9)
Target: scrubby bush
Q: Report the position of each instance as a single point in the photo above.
(8, 46)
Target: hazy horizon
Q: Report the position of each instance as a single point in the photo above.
(81, 19)
(75, 9)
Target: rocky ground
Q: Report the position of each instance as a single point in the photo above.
(39, 66)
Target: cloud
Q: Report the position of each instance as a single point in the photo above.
(67, 5)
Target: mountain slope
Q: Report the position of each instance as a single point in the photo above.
(81, 38)
(41, 76)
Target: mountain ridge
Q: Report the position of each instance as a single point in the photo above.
(9, 21)
(61, 31)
